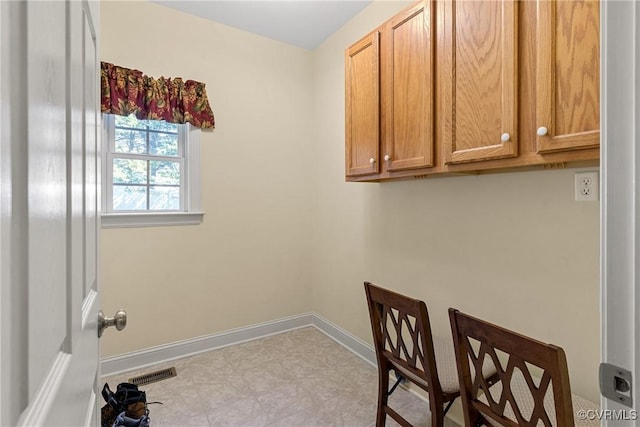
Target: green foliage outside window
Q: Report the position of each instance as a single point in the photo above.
(146, 183)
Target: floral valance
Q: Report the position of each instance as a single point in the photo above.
(125, 91)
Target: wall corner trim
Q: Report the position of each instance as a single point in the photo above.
(346, 339)
(164, 353)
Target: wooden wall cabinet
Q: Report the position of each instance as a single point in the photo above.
(479, 80)
(390, 90)
(457, 87)
(568, 75)
(409, 89)
(362, 137)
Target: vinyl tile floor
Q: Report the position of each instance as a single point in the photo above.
(300, 378)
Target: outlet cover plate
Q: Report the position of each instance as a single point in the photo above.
(587, 186)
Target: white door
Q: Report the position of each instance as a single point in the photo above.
(49, 205)
(620, 220)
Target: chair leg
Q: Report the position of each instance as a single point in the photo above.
(383, 397)
(437, 413)
(437, 418)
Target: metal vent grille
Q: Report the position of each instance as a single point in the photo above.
(153, 377)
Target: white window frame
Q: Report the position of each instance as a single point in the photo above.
(190, 212)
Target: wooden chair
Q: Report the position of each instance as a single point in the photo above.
(518, 398)
(403, 343)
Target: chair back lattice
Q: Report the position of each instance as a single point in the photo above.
(402, 333)
(546, 399)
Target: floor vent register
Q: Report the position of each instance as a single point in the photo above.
(153, 377)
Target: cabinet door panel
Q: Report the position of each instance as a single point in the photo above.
(409, 89)
(479, 80)
(362, 107)
(568, 75)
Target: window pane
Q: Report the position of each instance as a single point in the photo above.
(164, 198)
(129, 198)
(129, 171)
(167, 173)
(131, 141)
(162, 125)
(163, 144)
(130, 122)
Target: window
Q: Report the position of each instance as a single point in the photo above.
(151, 173)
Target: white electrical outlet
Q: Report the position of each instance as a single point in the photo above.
(587, 186)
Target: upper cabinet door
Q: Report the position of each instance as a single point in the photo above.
(408, 84)
(362, 106)
(479, 80)
(568, 75)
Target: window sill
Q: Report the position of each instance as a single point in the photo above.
(155, 219)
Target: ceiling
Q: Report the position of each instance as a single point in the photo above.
(303, 23)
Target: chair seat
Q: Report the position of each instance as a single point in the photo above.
(446, 365)
(522, 396)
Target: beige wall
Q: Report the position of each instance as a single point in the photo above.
(247, 263)
(515, 249)
(284, 234)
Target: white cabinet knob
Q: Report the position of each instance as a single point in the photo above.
(542, 131)
(372, 160)
(387, 157)
(505, 137)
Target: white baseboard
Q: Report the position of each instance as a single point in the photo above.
(346, 339)
(176, 350)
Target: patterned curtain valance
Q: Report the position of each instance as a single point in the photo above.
(126, 91)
